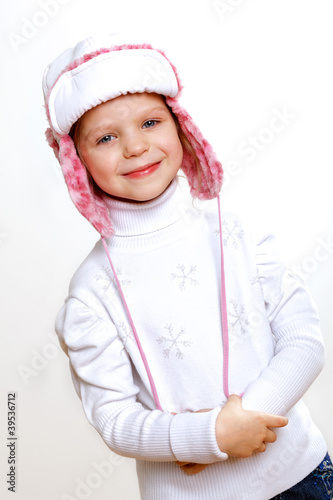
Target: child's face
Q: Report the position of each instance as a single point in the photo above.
(130, 146)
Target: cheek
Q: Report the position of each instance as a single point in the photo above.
(179, 152)
(94, 161)
(83, 154)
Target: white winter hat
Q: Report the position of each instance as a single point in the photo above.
(100, 75)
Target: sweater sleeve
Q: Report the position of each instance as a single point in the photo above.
(102, 375)
(299, 351)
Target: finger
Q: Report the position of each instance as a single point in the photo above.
(262, 448)
(270, 436)
(275, 420)
(191, 469)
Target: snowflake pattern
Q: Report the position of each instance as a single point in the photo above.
(174, 341)
(108, 278)
(256, 279)
(237, 318)
(230, 234)
(184, 276)
(125, 334)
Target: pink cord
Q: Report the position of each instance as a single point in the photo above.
(143, 356)
(224, 317)
(225, 335)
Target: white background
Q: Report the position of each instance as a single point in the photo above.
(241, 61)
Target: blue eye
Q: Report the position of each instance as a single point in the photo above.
(149, 123)
(106, 138)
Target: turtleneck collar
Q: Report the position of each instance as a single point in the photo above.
(132, 219)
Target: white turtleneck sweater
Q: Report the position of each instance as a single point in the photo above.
(167, 256)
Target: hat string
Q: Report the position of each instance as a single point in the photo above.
(224, 315)
(143, 356)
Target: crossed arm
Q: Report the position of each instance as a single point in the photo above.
(240, 433)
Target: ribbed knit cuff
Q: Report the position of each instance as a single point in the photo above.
(291, 371)
(193, 437)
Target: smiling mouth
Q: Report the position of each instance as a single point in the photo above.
(143, 171)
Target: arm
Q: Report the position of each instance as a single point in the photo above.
(299, 350)
(299, 356)
(240, 433)
(102, 374)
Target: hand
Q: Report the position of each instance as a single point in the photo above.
(191, 468)
(240, 433)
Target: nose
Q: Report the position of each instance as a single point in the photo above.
(135, 144)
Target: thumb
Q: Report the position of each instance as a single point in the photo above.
(235, 400)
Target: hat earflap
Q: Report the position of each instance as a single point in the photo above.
(82, 191)
(206, 184)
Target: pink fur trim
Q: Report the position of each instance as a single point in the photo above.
(83, 194)
(52, 142)
(211, 168)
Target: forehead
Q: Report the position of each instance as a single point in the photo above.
(125, 105)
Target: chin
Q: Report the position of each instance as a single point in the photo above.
(150, 195)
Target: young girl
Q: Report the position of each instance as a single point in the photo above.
(190, 344)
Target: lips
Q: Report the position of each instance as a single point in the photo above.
(143, 171)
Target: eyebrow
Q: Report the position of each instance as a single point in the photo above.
(156, 108)
(107, 124)
(97, 130)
